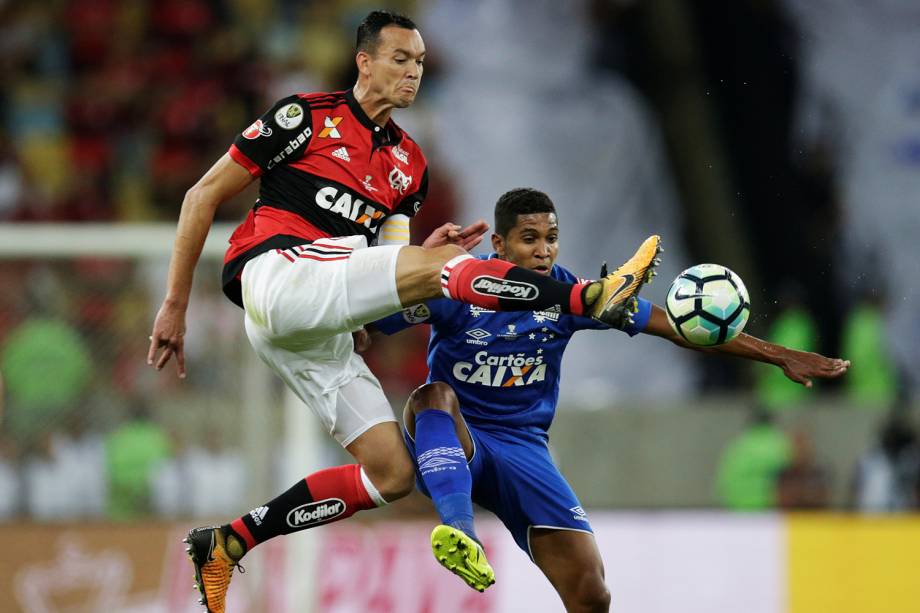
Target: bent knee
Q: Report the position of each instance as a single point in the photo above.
(592, 595)
(398, 480)
(434, 395)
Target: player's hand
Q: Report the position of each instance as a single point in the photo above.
(802, 366)
(452, 234)
(168, 334)
(362, 340)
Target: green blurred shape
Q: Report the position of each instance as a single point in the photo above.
(746, 478)
(46, 366)
(871, 381)
(133, 451)
(794, 328)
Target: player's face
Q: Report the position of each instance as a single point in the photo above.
(532, 243)
(396, 67)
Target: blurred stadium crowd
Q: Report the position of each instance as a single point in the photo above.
(779, 138)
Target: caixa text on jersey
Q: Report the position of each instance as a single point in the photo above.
(501, 371)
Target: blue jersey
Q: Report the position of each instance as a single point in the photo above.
(504, 366)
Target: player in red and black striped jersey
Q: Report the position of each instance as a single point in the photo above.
(326, 170)
(324, 251)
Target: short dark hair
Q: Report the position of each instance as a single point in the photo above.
(519, 201)
(369, 29)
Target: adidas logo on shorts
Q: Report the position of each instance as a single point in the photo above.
(342, 154)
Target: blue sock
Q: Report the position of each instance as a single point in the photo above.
(443, 467)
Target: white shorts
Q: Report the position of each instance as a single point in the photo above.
(302, 304)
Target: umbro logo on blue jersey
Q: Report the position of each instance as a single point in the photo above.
(477, 335)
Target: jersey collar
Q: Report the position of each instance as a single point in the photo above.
(387, 135)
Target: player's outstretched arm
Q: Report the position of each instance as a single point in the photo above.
(800, 366)
(221, 182)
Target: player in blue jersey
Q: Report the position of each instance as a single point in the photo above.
(478, 428)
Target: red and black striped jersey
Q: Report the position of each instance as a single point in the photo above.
(325, 170)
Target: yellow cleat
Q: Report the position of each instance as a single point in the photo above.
(617, 300)
(213, 566)
(463, 556)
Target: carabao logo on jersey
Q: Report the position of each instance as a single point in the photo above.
(399, 181)
(293, 145)
(348, 206)
(330, 128)
(289, 116)
(256, 130)
(509, 370)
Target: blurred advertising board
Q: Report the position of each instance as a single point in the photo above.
(655, 563)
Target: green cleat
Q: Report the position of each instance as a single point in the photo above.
(463, 556)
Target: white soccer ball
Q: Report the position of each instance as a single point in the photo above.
(708, 305)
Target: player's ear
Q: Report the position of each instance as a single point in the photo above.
(363, 60)
(498, 245)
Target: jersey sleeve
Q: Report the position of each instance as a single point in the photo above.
(430, 312)
(280, 136)
(411, 204)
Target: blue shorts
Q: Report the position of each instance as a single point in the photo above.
(515, 478)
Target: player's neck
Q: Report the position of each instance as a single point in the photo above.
(376, 107)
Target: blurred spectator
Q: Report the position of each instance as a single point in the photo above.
(47, 368)
(751, 463)
(793, 327)
(804, 483)
(887, 477)
(202, 481)
(10, 487)
(63, 477)
(12, 181)
(215, 477)
(82, 450)
(133, 451)
(872, 380)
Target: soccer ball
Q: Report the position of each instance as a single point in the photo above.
(708, 305)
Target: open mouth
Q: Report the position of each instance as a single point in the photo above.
(543, 269)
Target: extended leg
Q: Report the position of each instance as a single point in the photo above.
(422, 274)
